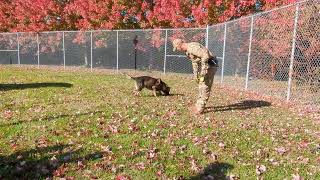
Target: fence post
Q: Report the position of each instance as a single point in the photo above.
(38, 43)
(91, 50)
(117, 51)
(292, 52)
(18, 49)
(224, 51)
(64, 51)
(165, 53)
(207, 36)
(249, 54)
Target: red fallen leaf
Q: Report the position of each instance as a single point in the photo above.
(296, 177)
(170, 114)
(155, 133)
(14, 146)
(303, 160)
(8, 114)
(140, 166)
(194, 166)
(183, 147)
(42, 142)
(159, 173)
(133, 128)
(173, 151)
(80, 165)
(303, 144)
(232, 177)
(112, 129)
(281, 150)
(273, 162)
(206, 151)
(106, 149)
(222, 145)
(94, 177)
(122, 177)
(60, 172)
(152, 153)
(38, 109)
(213, 157)
(261, 169)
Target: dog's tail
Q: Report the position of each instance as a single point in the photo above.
(128, 76)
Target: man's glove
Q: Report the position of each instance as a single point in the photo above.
(201, 79)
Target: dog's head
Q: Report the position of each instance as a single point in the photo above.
(164, 87)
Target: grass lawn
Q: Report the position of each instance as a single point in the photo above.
(82, 125)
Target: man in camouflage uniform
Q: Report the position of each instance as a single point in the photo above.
(204, 65)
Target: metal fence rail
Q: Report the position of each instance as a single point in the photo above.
(275, 53)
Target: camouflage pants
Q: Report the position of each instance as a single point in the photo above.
(205, 88)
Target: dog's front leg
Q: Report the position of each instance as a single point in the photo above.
(154, 91)
(136, 92)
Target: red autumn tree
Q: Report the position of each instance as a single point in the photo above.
(49, 15)
(37, 15)
(6, 15)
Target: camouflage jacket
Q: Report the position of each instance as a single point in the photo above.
(199, 55)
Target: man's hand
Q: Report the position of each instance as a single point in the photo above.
(191, 56)
(201, 79)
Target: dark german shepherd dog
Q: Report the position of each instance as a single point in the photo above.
(154, 84)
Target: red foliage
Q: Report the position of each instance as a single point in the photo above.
(50, 15)
(36, 15)
(5, 15)
(41, 15)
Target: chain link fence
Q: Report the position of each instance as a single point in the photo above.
(275, 53)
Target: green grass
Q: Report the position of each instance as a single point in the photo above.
(89, 125)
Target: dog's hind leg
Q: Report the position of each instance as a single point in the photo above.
(136, 86)
(137, 89)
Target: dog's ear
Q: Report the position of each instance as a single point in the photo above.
(158, 81)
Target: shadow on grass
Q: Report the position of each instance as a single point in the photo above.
(215, 170)
(175, 95)
(160, 95)
(8, 87)
(247, 104)
(50, 118)
(43, 162)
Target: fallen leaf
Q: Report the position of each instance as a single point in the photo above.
(123, 177)
(194, 165)
(232, 177)
(281, 150)
(261, 169)
(221, 145)
(140, 166)
(8, 114)
(152, 153)
(296, 177)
